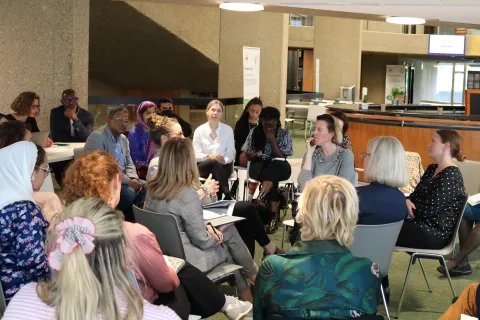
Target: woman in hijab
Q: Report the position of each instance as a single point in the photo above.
(141, 149)
(24, 229)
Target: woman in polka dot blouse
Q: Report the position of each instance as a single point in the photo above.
(438, 199)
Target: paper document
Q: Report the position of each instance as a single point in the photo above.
(56, 149)
(209, 215)
(219, 204)
(474, 200)
(465, 317)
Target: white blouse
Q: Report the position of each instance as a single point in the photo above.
(224, 144)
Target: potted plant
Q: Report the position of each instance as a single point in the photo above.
(364, 103)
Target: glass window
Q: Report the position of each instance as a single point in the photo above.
(459, 67)
(458, 87)
(301, 20)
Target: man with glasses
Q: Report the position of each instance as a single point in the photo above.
(69, 123)
(110, 139)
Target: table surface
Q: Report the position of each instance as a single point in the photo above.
(62, 153)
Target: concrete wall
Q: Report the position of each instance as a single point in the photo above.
(44, 49)
(338, 46)
(301, 37)
(269, 32)
(374, 68)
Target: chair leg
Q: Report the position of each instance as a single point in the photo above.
(283, 234)
(405, 285)
(448, 276)
(384, 301)
(424, 275)
(245, 189)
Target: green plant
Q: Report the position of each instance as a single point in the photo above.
(401, 92)
(395, 92)
(365, 99)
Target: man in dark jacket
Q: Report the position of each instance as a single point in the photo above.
(166, 109)
(69, 123)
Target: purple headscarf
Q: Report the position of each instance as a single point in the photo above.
(141, 109)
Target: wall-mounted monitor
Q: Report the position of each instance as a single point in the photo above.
(446, 45)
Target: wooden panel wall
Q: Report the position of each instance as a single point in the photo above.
(413, 139)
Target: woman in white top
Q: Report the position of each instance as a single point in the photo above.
(88, 278)
(214, 147)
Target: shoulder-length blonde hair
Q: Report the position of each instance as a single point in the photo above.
(177, 170)
(387, 163)
(86, 285)
(328, 210)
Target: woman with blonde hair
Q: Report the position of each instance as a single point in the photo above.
(88, 279)
(324, 156)
(319, 273)
(386, 168)
(174, 190)
(214, 147)
(97, 175)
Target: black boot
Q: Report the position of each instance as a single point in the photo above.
(273, 224)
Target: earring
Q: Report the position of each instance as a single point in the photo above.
(32, 178)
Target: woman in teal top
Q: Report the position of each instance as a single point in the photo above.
(319, 278)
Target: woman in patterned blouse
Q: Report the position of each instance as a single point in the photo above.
(438, 199)
(22, 224)
(267, 147)
(319, 278)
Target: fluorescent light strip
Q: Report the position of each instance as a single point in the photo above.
(238, 6)
(405, 20)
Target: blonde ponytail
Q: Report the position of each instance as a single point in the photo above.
(88, 285)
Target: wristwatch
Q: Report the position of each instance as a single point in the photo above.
(205, 189)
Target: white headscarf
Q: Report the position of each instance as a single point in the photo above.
(17, 162)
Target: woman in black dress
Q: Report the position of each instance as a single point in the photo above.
(25, 108)
(438, 199)
(267, 147)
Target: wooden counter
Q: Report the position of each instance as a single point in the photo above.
(413, 130)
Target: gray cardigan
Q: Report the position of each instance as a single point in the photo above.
(199, 245)
(100, 140)
(339, 164)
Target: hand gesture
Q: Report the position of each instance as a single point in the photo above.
(410, 207)
(212, 185)
(216, 234)
(48, 143)
(135, 185)
(270, 134)
(70, 113)
(310, 149)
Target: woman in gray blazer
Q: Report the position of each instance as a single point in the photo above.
(174, 190)
(324, 156)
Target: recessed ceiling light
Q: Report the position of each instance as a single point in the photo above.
(405, 20)
(238, 6)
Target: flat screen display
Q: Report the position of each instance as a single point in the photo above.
(446, 45)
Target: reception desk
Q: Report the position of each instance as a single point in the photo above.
(414, 130)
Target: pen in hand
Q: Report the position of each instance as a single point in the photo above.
(215, 232)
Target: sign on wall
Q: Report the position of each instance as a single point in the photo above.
(251, 73)
(394, 83)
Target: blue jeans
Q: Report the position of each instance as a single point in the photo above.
(472, 213)
(128, 197)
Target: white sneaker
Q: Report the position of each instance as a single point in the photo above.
(238, 310)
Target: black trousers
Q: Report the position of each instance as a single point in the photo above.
(195, 295)
(220, 172)
(252, 228)
(59, 169)
(273, 171)
(413, 236)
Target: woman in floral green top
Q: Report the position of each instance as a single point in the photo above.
(319, 278)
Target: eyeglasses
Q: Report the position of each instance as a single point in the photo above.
(363, 155)
(71, 100)
(46, 170)
(122, 119)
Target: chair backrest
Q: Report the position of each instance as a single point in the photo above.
(3, 304)
(451, 245)
(164, 226)
(316, 110)
(132, 279)
(78, 152)
(470, 171)
(376, 242)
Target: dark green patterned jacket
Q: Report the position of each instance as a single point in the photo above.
(316, 280)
